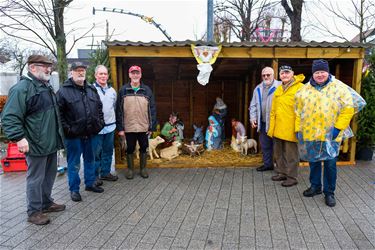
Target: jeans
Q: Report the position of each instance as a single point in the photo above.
(103, 146)
(266, 144)
(329, 178)
(75, 148)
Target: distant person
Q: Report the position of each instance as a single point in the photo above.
(282, 130)
(82, 119)
(324, 108)
(31, 118)
(104, 141)
(260, 109)
(136, 119)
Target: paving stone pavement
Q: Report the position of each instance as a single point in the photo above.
(205, 208)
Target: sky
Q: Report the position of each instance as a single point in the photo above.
(182, 20)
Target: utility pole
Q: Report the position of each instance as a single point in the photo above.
(210, 20)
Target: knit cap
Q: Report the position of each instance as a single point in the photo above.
(320, 65)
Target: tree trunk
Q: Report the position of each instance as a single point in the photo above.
(60, 40)
(295, 17)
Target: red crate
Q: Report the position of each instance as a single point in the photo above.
(13, 165)
(13, 152)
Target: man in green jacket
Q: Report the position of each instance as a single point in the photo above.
(31, 118)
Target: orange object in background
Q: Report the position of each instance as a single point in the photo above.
(15, 160)
(3, 99)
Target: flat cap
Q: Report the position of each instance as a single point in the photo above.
(38, 59)
(77, 65)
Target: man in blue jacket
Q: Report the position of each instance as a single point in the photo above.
(31, 118)
(82, 119)
(260, 108)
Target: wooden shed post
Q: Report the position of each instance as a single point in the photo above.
(112, 63)
(275, 66)
(356, 84)
(246, 104)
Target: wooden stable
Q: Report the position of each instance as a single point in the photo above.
(170, 69)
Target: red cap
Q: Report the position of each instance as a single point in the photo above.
(135, 68)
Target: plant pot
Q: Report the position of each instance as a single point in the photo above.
(365, 154)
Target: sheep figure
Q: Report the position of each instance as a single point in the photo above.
(247, 144)
(152, 144)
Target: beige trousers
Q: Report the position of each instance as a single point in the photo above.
(286, 157)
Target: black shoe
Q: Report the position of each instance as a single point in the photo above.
(310, 192)
(95, 189)
(109, 177)
(75, 196)
(264, 168)
(98, 182)
(330, 200)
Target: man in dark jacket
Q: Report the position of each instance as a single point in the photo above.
(31, 118)
(81, 118)
(136, 118)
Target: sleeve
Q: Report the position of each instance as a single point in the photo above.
(272, 118)
(61, 102)
(346, 112)
(120, 111)
(153, 112)
(298, 110)
(253, 107)
(13, 115)
(165, 130)
(100, 109)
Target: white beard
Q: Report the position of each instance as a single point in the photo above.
(43, 76)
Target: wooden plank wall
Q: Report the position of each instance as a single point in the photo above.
(193, 101)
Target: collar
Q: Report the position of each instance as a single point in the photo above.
(320, 86)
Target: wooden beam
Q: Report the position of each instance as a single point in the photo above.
(356, 84)
(238, 52)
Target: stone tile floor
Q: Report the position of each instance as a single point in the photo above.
(206, 208)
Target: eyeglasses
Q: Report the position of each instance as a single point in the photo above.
(268, 75)
(48, 66)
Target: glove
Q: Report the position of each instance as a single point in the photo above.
(335, 133)
(299, 136)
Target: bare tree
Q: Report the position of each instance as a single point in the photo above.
(361, 16)
(11, 49)
(242, 16)
(294, 13)
(40, 22)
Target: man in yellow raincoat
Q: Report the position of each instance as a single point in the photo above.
(324, 108)
(282, 119)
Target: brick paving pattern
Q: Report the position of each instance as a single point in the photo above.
(213, 208)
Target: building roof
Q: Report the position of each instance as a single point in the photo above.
(185, 43)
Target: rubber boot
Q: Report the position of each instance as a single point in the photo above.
(129, 174)
(143, 163)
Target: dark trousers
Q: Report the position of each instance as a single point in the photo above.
(286, 157)
(329, 177)
(41, 174)
(131, 141)
(266, 144)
